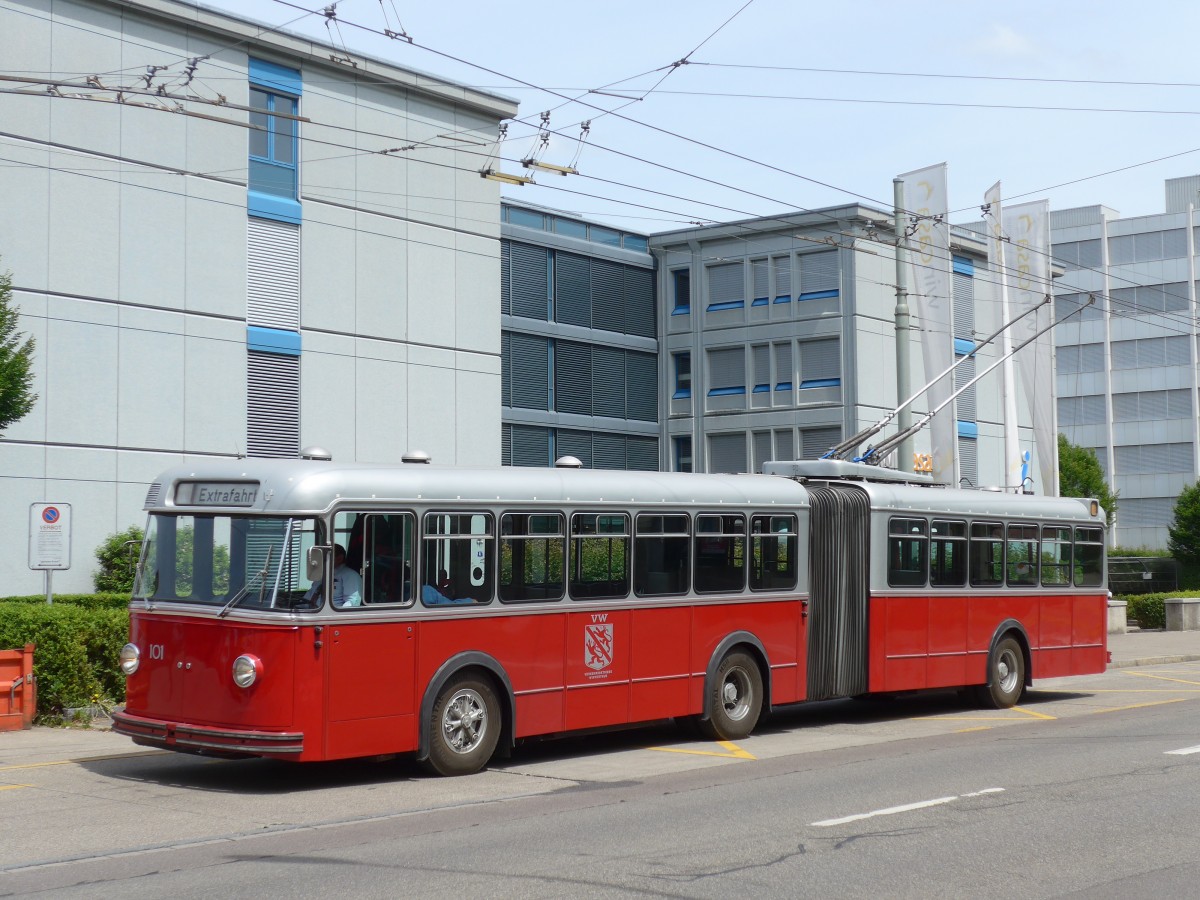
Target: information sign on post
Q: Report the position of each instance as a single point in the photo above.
(49, 539)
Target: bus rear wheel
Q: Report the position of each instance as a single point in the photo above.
(464, 727)
(1006, 676)
(735, 700)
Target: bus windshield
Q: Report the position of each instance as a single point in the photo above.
(229, 562)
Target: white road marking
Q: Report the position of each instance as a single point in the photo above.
(1185, 751)
(907, 807)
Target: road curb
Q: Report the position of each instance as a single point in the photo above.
(1153, 661)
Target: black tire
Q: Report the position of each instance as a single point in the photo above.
(735, 699)
(464, 727)
(1006, 676)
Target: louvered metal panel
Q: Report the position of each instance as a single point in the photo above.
(505, 276)
(1066, 360)
(727, 452)
(1152, 405)
(506, 445)
(760, 361)
(1181, 457)
(1124, 355)
(571, 442)
(530, 446)
(608, 295)
(820, 359)
(1125, 407)
(783, 277)
(608, 382)
(505, 369)
(1179, 404)
(819, 272)
(968, 460)
(1091, 357)
(814, 442)
(760, 280)
(1151, 352)
(839, 561)
(965, 405)
(573, 378)
(272, 405)
(528, 267)
(761, 444)
(640, 318)
(725, 283)
(1175, 351)
(1147, 512)
(1068, 411)
(727, 368)
(1176, 296)
(641, 454)
(608, 451)
(272, 274)
(530, 380)
(572, 289)
(641, 386)
(784, 373)
(964, 307)
(1091, 410)
(785, 444)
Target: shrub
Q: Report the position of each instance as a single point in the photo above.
(117, 555)
(1148, 609)
(87, 601)
(76, 659)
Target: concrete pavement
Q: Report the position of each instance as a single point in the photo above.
(52, 746)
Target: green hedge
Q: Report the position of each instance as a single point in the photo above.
(87, 601)
(1148, 610)
(77, 657)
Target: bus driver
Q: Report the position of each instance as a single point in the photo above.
(347, 585)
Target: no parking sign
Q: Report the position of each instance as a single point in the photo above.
(50, 535)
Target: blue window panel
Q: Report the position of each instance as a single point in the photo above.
(681, 394)
(964, 266)
(727, 391)
(273, 340)
(276, 77)
(817, 295)
(761, 388)
(760, 301)
(968, 429)
(820, 383)
(783, 386)
(728, 304)
(683, 376)
(571, 228)
(527, 218)
(784, 299)
(602, 235)
(681, 280)
(267, 206)
(634, 242)
(963, 347)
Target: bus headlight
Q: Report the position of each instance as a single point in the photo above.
(130, 658)
(246, 670)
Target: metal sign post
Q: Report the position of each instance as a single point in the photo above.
(49, 540)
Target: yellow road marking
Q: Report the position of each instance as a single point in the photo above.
(86, 759)
(976, 728)
(1144, 691)
(735, 752)
(1163, 678)
(1138, 705)
(13, 787)
(1036, 715)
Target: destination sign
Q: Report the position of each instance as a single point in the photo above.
(216, 493)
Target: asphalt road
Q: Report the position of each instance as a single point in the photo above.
(1079, 791)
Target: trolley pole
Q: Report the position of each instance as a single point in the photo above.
(903, 345)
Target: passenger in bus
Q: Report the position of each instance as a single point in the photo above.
(347, 585)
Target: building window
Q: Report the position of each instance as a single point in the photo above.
(726, 289)
(726, 371)
(273, 140)
(682, 284)
(683, 454)
(683, 376)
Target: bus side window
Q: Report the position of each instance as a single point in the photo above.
(457, 559)
(773, 551)
(660, 555)
(1022, 555)
(532, 550)
(599, 555)
(987, 554)
(948, 554)
(720, 554)
(1056, 556)
(1089, 557)
(388, 558)
(908, 551)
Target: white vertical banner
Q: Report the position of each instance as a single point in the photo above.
(1027, 256)
(1013, 475)
(931, 298)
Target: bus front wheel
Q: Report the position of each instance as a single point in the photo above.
(1006, 676)
(464, 727)
(735, 699)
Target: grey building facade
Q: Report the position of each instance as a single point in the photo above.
(277, 249)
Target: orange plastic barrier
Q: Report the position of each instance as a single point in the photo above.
(18, 689)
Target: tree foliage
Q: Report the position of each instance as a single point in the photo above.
(16, 361)
(1080, 475)
(117, 555)
(1184, 533)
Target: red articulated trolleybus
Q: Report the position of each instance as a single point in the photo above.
(308, 610)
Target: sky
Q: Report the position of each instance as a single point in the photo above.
(786, 105)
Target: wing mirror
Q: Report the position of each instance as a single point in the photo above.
(315, 562)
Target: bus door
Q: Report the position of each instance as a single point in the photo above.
(839, 559)
(371, 643)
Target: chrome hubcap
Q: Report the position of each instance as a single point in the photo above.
(735, 694)
(1006, 672)
(464, 721)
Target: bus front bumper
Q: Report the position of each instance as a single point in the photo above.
(206, 740)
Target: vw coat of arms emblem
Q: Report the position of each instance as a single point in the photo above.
(598, 645)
